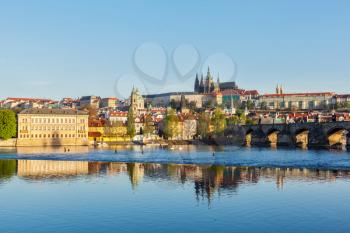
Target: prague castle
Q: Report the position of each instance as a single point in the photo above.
(208, 85)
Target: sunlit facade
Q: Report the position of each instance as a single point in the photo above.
(47, 127)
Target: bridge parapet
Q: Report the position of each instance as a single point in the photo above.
(314, 134)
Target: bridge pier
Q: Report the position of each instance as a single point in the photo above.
(285, 139)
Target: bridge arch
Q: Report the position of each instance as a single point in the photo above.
(248, 137)
(301, 137)
(272, 136)
(337, 137)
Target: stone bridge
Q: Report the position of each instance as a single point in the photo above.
(327, 135)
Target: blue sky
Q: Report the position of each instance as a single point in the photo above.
(73, 48)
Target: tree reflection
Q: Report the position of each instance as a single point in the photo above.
(8, 169)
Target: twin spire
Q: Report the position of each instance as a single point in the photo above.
(207, 84)
(279, 89)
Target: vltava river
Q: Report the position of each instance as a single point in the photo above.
(186, 189)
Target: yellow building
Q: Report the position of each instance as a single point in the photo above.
(52, 127)
(108, 134)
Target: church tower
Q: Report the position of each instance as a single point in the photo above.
(209, 87)
(136, 101)
(196, 84)
(279, 89)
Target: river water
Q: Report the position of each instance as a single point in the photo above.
(182, 189)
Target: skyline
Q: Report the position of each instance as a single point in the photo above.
(59, 49)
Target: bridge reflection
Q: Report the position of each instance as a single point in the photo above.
(207, 180)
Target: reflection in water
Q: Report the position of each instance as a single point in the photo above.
(50, 168)
(7, 169)
(207, 180)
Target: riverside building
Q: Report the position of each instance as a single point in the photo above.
(296, 101)
(52, 127)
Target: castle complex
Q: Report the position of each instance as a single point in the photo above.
(207, 85)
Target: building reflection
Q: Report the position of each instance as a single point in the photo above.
(50, 168)
(207, 180)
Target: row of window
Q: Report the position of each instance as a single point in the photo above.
(52, 120)
(54, 127)
(52, 136)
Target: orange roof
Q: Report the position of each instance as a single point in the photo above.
(28, 99)
(300, 94)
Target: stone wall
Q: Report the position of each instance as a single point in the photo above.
(8, 143)
(52, 142)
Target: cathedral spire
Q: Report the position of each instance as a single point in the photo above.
(208, 73)
(196, 84)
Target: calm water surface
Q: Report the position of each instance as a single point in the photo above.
(182, 190)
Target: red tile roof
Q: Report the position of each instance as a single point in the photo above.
(29, 99)
(300, 94)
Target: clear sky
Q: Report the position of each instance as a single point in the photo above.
(73, 48)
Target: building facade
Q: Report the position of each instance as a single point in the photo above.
(89, 102)
(297, 101)
(199, 100)
(52, 127)
(110, 102)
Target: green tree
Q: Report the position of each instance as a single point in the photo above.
(218, 121)
(131, 131)
(148, 128)
(8, 124)
(250, 105)
(203, 125)
(233, 120)
(249, 121)
(171, 123)
(346, 104)
(263, 105)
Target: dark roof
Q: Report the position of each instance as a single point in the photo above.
(228, 85)
(45, 111)
(168, 94)
(89, 98)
